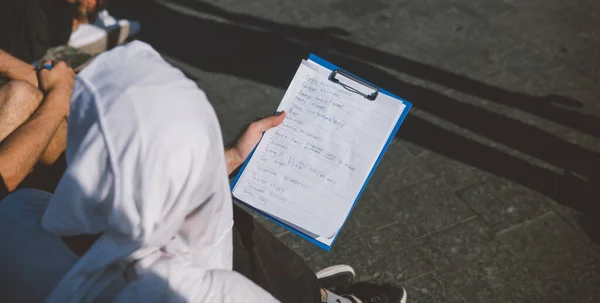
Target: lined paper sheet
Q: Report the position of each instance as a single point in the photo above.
(308, 171)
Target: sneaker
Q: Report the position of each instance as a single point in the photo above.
(364, 292)
(108, 23)
(105, 20)
(105, 34)
(336, 278)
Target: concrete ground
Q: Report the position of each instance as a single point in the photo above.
(490, 191)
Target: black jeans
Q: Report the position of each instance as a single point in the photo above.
(262, 258)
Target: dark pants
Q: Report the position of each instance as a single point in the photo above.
(262, 258)
(28, 28)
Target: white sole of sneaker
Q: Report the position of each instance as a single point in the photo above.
(336, 269)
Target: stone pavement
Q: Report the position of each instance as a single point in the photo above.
(490, 191)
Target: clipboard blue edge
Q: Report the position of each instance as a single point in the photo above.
(407, 108)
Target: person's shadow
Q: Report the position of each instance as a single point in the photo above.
(269, 52)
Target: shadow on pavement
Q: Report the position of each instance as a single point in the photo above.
(269, 52)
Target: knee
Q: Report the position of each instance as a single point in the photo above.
(23, 93)
(23, 89)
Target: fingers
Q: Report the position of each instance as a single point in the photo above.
(47, 64)
(267, 123)
(62, 64)
(42, 76)
(48, 67)
(54, 75)
(45, 68)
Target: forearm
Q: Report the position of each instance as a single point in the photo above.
(15, 69)
(232, 159)
(22, 149)
(57, 145)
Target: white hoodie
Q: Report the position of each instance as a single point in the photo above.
(146, 169)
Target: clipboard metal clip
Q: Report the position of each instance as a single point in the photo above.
(335, 79)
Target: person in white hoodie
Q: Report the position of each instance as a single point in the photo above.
(147, 176)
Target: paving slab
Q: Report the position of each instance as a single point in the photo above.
(488, 192)
(502, 204)
(578, 284)
(545, 246)
(467, 253)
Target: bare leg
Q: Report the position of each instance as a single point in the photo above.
(31, 131)
(18, 101)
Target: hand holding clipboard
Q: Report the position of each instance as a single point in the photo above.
(308, 173)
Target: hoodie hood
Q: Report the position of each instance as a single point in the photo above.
(146, 169)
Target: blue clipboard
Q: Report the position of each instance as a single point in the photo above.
(373, 96)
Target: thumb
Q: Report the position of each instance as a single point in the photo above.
(46, 67)
(267, 123)
(43, 79)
